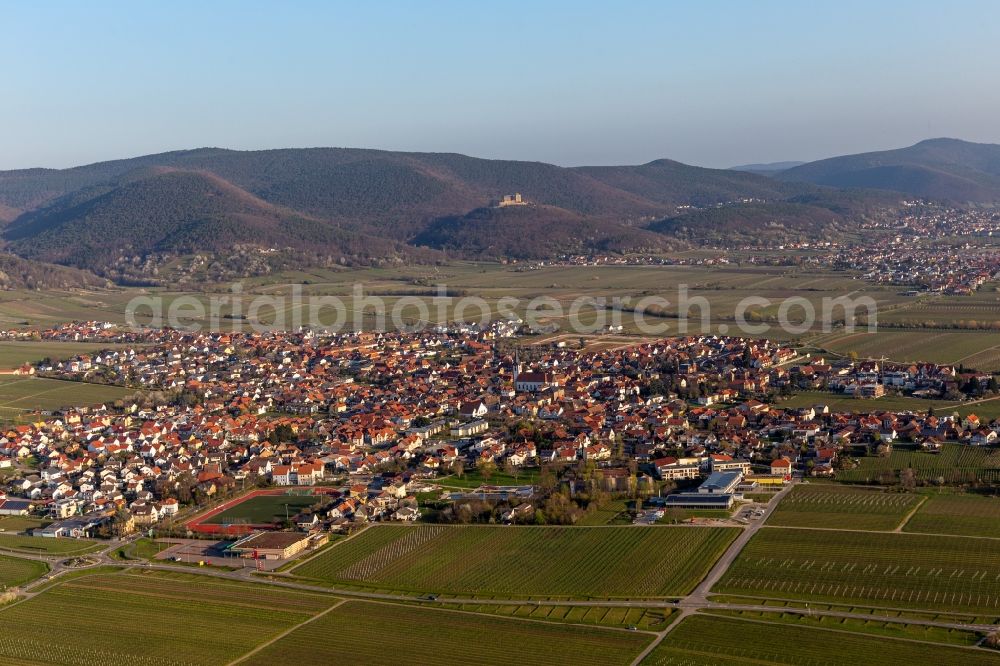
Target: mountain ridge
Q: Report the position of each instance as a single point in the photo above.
(368, 206)
(942, 168)
(356, 205)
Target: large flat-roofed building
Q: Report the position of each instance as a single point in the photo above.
(718, 491)
(699, 501)
(720, 483)
(271, 545)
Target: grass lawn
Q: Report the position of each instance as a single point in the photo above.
(940, 573)
(430, 636)
(15, 571)
(965, 515)
(518, 562)
(987, 410)
(265, 509)
(45, 546)
(25, 394)
(16, 524)
(140, 549)
(725, 641)
(150, 619)
(843, 507)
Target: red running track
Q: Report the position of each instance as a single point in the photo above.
(199, 524)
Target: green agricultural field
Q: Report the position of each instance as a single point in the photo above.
(956, 463)
(964, 515)
(842, 403)
(150, 620)
(362, 632)
(935, 346)
(723, 641)
(33, 308)
(885, 628)
(46, 546)
(25, 394)
(15, 354)
(722, 286)
(646, 619)
(843, 507)
(265, 509)
(518, 562)
(979, 309)
(939, 573)
(608, 514)
(15, 571)
(987, 410)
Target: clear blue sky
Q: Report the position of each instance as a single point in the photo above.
(710, 83)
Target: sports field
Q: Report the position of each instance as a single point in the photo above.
(965, 515)
(15, 571)
(940, 573)
(956, 463)
(262, 509)
(723, 641)
(153, 620)
(517, 562)
(362, 632)
(843, 507)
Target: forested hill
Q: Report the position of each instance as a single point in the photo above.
(182, 212)
(356, 206)
(943, 169)
(373, 186)
(18, 273)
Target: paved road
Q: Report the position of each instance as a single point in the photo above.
(700, 594)
(698, 599)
